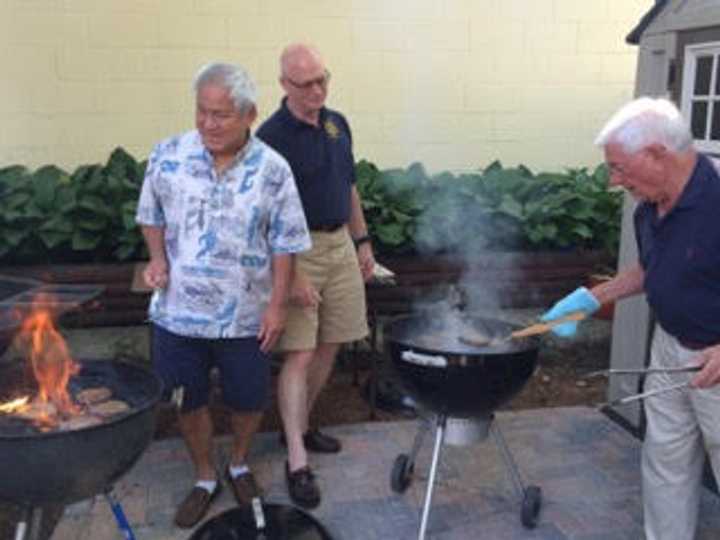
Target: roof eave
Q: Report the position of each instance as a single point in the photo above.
(633, 38)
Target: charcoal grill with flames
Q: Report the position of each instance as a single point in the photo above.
(460, 386)
(42, 468)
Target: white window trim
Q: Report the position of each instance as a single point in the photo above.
(688, 81)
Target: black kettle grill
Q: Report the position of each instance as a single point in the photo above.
(41, 469)
(460, 384)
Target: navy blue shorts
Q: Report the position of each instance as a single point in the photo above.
(186, 362)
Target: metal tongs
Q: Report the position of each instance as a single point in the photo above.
(644, 371)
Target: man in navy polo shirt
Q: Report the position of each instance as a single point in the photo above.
(649, 151)
(327, 292)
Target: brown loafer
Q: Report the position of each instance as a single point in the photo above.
(195, 506)
(244, 487)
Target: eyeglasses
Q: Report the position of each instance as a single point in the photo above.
(322, 82)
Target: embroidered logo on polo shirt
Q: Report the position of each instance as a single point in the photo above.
(331, 129)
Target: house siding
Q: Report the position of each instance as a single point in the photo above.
(452, 83)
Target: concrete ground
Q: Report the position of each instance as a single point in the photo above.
(586, 465)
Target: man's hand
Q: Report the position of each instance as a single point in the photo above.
(302, 292)
(579, 300)
(156, 273)
(709, 375)
(272, 326)
(366, 259)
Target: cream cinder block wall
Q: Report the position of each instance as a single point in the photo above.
(451, 83)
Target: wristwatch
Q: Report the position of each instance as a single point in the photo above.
(361, 240)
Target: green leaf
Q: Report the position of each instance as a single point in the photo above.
(33, 211)
(58, 224)
(92, 224)
(494, 166)
(53, 239)
(13, 175)
(511, 207)
(83, 241)
(14, 237)
(15, 200)
(391, 234)
(582, 230)
(45, 183)
(95, 204)
(121, 164)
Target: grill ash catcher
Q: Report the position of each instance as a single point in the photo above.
(458, 387)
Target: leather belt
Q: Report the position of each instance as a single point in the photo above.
(329, 227)
(693, 345)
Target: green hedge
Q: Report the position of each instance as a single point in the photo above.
(49, 215)
(496, 208)
(88, 216)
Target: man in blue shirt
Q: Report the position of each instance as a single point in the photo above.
(328, 307)
(649, 152)
(222, 218)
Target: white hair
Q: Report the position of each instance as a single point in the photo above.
(233, 77)
(645, 121)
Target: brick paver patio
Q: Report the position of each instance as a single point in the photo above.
(587, 467)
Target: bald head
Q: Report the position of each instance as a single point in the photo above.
(305, 80)
(300, 58)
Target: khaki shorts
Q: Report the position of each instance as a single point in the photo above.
(333, 269)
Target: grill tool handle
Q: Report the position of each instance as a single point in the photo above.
(424, 359)
(644, 371)
(649, 393)
(543, 327)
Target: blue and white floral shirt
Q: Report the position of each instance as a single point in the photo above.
(220, 234)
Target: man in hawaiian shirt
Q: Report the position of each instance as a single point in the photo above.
(222, 218)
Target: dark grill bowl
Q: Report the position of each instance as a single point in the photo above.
(476, 380)
(40, 468)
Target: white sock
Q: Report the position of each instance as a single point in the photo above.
(207, 485)
(237, 470)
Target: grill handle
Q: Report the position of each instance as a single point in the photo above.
(431, 360)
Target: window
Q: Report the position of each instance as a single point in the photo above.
(701, 94)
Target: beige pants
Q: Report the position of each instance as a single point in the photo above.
(681, 426)
(333, 269)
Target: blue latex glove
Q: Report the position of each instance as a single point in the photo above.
(579, 300)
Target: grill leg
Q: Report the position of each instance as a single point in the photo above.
(439, 434)
(20, 530)
(33, 517)
(425, 425)
(508, 459)
(117, 511)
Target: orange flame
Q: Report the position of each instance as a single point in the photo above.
(14, 405)
(52, 366)
(51, 361)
